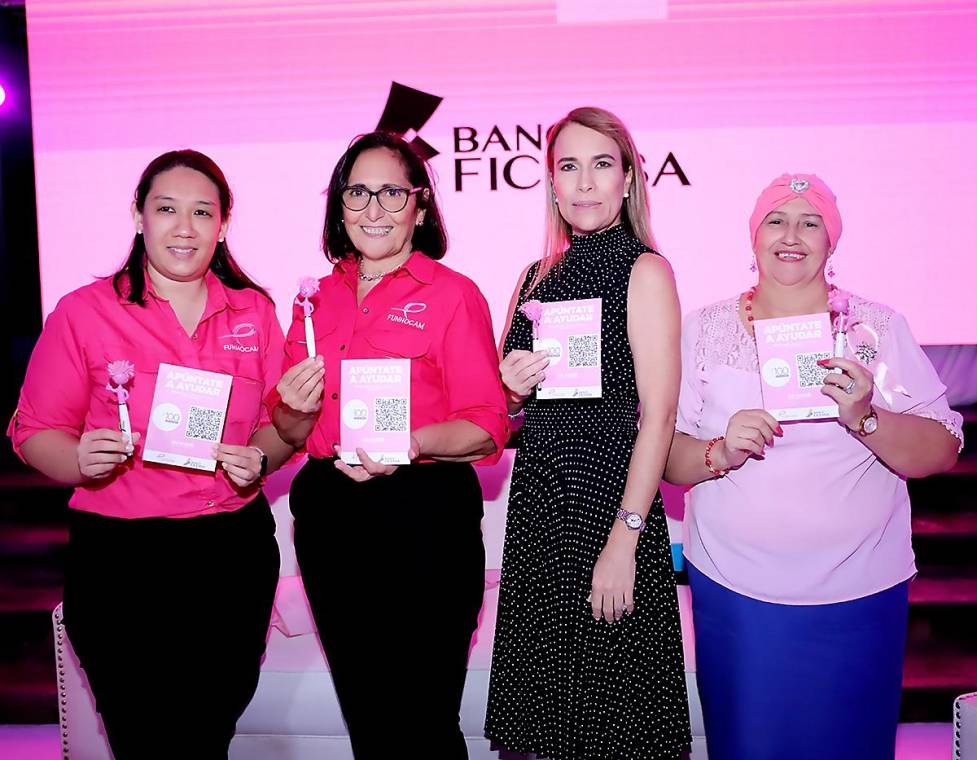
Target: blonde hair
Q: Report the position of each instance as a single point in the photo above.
(635, 212)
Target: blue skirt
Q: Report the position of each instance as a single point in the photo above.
(805, 682)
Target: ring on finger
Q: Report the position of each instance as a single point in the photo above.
(850, 387)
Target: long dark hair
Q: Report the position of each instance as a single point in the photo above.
(429, 237)
(222, 264)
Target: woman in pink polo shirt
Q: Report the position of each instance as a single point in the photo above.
(798, 533)
(391, 556)
(171, 572)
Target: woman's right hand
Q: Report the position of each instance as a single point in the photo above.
(523, 370)
(100, 451)
(748, 432)
(301, 386)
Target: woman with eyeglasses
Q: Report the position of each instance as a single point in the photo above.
(392, 556)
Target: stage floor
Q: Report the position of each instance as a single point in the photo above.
(916, 741)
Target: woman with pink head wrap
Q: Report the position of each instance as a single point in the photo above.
(797, 534)
(807, 187)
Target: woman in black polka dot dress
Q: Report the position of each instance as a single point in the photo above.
(587, 662)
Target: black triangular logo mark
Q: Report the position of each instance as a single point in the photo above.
(406, 112)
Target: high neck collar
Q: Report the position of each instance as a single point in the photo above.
(600, 242)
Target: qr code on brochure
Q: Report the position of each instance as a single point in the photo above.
(390, 415)
(583, 350)
(204, 424)
(809, 372)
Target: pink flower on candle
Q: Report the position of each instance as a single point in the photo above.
(838, 303)
(120, 373)
(308, 287)
(533, 311)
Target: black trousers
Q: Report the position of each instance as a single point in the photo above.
(168, 618)
(394, 569)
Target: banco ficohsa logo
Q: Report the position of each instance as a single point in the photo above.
(492, 157)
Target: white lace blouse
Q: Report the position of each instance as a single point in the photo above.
(820, 518)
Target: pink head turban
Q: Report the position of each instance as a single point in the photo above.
(807, 186)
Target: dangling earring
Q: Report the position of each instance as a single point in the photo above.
(831, 267)
(753, 264)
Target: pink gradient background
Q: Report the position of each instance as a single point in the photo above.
(878, 98)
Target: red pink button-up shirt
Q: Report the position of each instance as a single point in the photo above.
(424, 312)
(238, 334)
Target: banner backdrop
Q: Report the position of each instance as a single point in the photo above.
(878, 98)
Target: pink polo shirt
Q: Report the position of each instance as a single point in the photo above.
(820, 518)
(425, 312)
(65, 387)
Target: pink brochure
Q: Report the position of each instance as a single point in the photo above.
(189, 408)
(375, 403)
(570, 332)
(791, 379)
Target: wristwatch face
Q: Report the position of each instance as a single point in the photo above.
(869, 424)
(633, 521)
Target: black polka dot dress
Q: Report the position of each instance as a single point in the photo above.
(563, 685)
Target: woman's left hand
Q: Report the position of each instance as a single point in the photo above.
(241, 463)
(612, 587)
(369, 469)
(851, 389)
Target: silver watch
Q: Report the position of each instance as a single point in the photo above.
(633, 520)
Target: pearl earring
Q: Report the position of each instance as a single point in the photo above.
(627, 195)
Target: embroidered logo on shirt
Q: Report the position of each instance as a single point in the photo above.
(414, 307)
(243, 330)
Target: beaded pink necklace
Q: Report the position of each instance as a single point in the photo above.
(748, 302)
